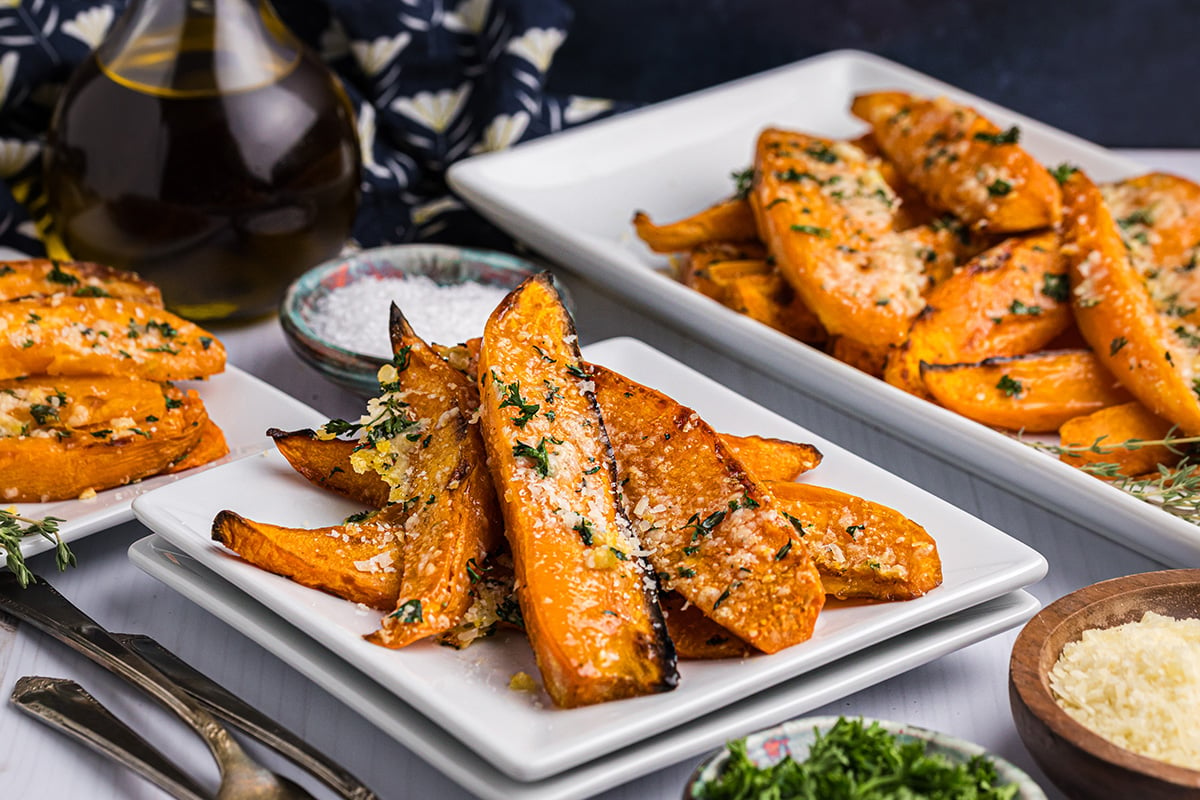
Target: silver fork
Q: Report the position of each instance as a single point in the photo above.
(67, 707)
(242, 778)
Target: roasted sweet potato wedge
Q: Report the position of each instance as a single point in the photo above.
(42, 277)
(697, 637)
(712, 530)
(453, 520)
(705, 268)
(586, 595)
(326, 462)
(772, 459)
(357, 561)
(1109, 441)
(103, 336)
(727, 221)
(1158, 216)
(862, 549)
(79, 403)
(209, 448)
(770, 300)
(1010, 300)
(962, 162)
(1035, 393)
(827, 216)
(1142, 342)
(51, 462)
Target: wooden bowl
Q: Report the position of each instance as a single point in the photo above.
(1080, 762)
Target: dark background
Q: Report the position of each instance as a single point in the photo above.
(1123, 74)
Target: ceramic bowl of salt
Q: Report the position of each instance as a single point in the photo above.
(335, 316)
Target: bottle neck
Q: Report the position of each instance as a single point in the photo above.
(197, 48)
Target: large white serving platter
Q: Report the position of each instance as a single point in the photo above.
(571, 196)
(445, 753)
(467, 692)
(242, 405)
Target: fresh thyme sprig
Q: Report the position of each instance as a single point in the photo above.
(1175, 488)
(13, 528)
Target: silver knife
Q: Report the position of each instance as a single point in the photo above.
(66, 706)
(221, 703)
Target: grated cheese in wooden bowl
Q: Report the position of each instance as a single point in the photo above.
(1137, 685)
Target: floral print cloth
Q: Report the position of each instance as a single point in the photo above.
(432, 81)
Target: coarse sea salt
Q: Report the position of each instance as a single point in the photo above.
(355, 317)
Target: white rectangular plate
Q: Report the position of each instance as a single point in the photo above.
(467, 692)
(242, 405)
(445, 753)
(572, 195)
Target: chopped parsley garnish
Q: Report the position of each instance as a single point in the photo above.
(742, 181)
(1116, 344)
(703, 527)
(408, 612)
(1010, 386)
(725, 594)
(999, 188)
(545, 357)
(585, 530)
(1018, 307)
(812, 230)
(538, 455)
(790, 175)
(576, 370)
(620, 554)
(1010, 136)
(1063, 172)
(592, 471)
(358, 517)
(43, 413)
(90, 291)
(206, 342)
(822, 153)
(58, 275)
(796, 523)
(512, 397)
(853, 529)
(782, 552)
(856, 760)
(1056, 286)
(687, 572)
(1139, 217)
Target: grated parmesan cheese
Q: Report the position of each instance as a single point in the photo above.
(355, 316)
(1137, 685)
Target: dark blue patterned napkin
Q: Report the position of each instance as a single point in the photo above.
(431, 81)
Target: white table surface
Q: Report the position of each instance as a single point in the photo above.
(964, 694)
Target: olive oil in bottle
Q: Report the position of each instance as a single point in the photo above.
(202, 146)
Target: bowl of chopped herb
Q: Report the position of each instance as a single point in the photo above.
(335, 316)
(834, 757)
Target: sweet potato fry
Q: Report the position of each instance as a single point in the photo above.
(1112, 436)
(697, 637)
(41, 277)
(962, 162)
(709, 268)
(357, 561)
(589, 606)
(326, 462)
(1009, 300)
(862, 549)
(62, 463)
(727, 221)
(1142, 342)
(103, 336)
(1034, 393)
(712, 530)
(209, 448)
(772, 459)
(453, 520)
(827, 216)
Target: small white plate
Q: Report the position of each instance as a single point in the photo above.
(445, 753)
(571, 196)
(242, 405)
(467, 692)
